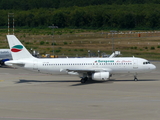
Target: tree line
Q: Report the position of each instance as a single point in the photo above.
(126, 16)
(36, 4)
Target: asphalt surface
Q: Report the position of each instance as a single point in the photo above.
(26, 95)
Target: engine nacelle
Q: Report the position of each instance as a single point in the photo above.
(100, 76)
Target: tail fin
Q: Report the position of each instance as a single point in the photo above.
(18, 51)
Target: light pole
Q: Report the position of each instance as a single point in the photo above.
(10, 15)
(89, 53)
(98, 53)
(113, 31)
(53, 34)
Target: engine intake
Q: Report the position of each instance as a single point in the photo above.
(100, 76)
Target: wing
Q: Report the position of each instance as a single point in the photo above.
(90, 70)
(87, 72)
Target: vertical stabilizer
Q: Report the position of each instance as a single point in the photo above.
(18, 50)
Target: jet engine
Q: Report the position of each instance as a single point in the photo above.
(100, 76)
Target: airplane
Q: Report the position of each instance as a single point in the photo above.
(100, 69)
(5, 55)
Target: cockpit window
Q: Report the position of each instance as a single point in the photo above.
(146, 63)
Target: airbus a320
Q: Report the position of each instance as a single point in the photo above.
(100, 69)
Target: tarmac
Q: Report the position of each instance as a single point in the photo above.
(26, 95)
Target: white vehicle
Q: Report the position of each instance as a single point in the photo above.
(5, 55)
(100, 69)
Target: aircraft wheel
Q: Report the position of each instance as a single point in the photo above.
(135, 79)
(82, 80)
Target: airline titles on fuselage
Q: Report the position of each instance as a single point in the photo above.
(112, 61)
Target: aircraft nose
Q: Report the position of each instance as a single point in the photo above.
(153, 67)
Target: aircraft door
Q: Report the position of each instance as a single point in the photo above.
(135, 64)
(35, 65)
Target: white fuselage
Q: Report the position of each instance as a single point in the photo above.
(111, 65)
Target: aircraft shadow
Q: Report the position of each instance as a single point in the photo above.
(133, 80)
(111, 81)
(60, 81)
(4, 66)
(78, 81)
(88, 82)
(44, 81)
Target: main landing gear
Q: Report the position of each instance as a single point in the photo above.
(83, 80)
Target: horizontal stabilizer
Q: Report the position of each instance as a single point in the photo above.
(14, 63)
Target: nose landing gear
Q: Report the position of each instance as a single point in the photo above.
(135, 78)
